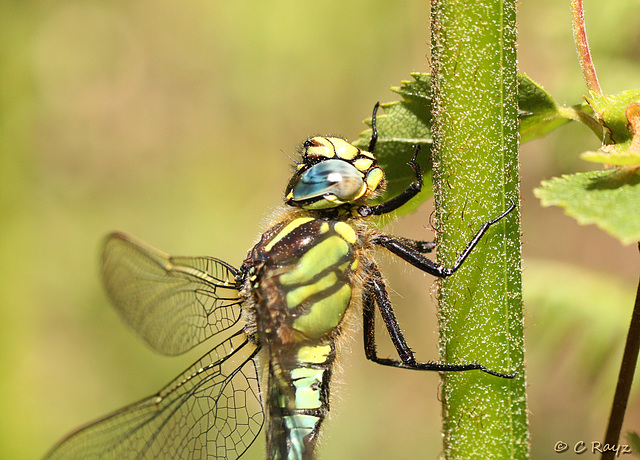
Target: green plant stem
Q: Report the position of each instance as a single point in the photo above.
(625, 379)
(582, 46)
(577, 114)
(475, 158)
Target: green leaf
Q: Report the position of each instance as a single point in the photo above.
(403, 126)
(406, 124)
(620, 116)
(617, 154)
(611, 112)
(634, 442)
(537, 110)
(609, 199)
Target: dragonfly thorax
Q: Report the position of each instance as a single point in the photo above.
(299, 278)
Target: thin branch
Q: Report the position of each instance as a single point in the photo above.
(584, 54)
(577, 113)
(625, 379)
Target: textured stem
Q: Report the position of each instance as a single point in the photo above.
(475, 175)
(582, 46)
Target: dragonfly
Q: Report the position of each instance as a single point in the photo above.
(280, 315)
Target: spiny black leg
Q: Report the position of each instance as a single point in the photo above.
(369, 329)
(412, 255)
(420, 246)
(479, 234)
(374, 129)
(397, 201)
(375, 292)
(425, 246)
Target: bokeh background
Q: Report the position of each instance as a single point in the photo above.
(169, 120)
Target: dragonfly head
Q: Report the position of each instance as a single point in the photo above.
(333, 173)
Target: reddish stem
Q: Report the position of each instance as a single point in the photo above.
(582, 45)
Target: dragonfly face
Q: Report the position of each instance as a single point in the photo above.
(332, 174)
(284, 306)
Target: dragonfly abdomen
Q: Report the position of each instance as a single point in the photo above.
(298, 399)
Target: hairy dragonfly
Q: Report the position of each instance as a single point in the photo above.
(281, 312)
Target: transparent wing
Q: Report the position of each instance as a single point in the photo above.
(173, 303)
(211, 411)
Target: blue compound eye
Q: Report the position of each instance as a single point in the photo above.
(335, 177)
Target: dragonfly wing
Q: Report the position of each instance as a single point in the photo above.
(213, 410)
(173, 303)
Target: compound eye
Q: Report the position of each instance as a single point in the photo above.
(334, 177)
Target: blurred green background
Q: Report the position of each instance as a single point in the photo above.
(168, 120)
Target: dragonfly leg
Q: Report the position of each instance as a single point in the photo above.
(374, 129)
(421, 247)
(375, 293)
(394, 203)
(411, 252)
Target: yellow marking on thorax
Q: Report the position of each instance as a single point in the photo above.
(343, 267)
(299, 295)
(346, 231)
(316, 260)
(291, 226)
(325, 314)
